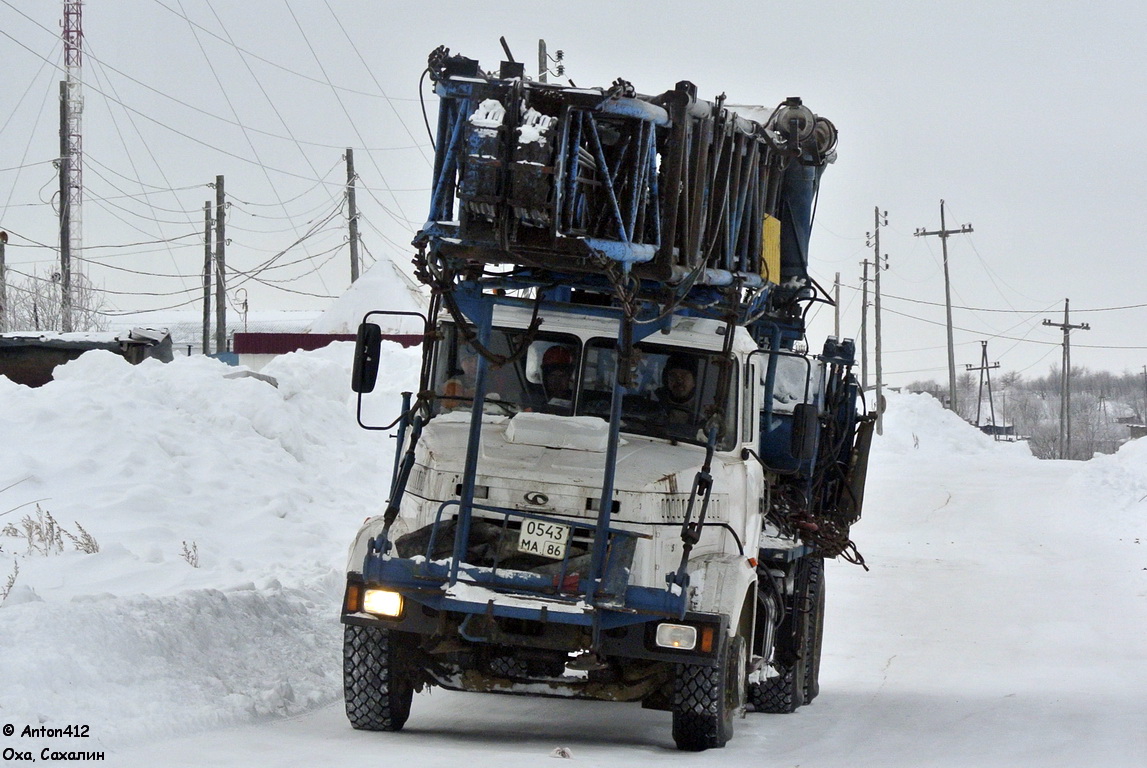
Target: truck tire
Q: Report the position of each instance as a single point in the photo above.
(780, 695)
(706, 699)
(815, 631)
(377, 689)
(796, 656)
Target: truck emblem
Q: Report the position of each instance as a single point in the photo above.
(537, 499)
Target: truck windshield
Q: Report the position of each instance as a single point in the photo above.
(540, 378)
(673, 393)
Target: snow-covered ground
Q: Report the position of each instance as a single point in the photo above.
(1003, 621)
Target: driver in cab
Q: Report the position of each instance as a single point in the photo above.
(677, 394)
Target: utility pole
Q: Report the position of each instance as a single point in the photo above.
(3, 285)
(206, 277)
(352, 214)
(220, 269)
(943, 232)
(836, 306)
(1065, 380)
(65, 214)
(880, 265)
(864, 328)
(544, 60)
(985, 370)
(1144, 417)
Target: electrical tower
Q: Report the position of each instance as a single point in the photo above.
(72, 150)
(985, 369)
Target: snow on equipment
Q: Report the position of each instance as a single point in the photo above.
(623, 470)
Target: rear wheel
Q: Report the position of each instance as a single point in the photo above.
(706, 699)
(815, 633)
(797, 651)
(376, 685)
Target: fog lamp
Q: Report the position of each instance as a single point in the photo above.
(382, 602)
(676, 636)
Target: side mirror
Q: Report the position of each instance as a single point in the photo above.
(367, 350)
(805, 425)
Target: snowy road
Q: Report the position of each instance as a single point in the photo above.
(1002, 624)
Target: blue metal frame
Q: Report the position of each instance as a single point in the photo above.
(694, 242)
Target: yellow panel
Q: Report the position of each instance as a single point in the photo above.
(771, 250)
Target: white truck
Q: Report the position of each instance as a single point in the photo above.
(619, 284)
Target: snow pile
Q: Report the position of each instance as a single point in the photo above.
(917, 422)
(222, 508)
(1122, 477)
(383, 286)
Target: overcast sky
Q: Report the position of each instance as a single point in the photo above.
(1027, 118)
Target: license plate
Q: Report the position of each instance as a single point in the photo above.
(539, 537)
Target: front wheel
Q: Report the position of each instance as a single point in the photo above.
(376, 685)
(706, 699)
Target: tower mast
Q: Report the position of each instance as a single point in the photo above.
(73, 145)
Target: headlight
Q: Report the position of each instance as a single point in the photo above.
(676, 636)
(382, 602)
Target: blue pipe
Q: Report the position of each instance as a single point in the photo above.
(449, 164)
(608, 184)
(402, 424)
(605, 508)
(484, 321)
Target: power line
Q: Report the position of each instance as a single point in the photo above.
(135, 170)
(1001, 311)
(192, 107)
(27, 165)
(274, 64)
(403, 220)
(35, 126)
(167, 127)
(1013, 338)
(370, 71)
(235, 113)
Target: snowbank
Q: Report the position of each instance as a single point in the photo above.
(222, 508)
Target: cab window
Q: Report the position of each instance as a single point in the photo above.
(541, 378)
(672, 395)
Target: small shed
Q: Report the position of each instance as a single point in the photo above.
(30, 357)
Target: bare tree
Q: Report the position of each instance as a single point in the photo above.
(34, 304)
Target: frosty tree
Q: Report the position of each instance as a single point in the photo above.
(34, 304)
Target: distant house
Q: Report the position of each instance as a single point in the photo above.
(1137, 430)
(1005, 431)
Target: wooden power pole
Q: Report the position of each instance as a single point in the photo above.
(880, 265)
(864, 328)
(985, 369)
(544, 60)
(220, 268)
(206, 277)
(943, 232)
(1065, 380)
(3, 285)
(352, 214)
(836, 306)
(1143, 418)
